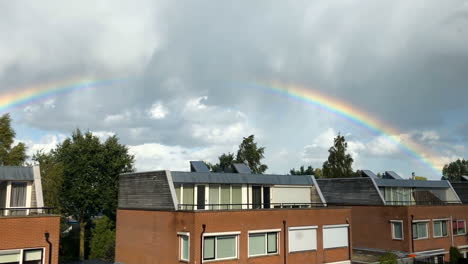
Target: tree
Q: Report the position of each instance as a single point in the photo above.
(248, 153)
(455, 255)
(454, 170)
(51, 178)
(252, 155)
(303, 171)
(388, 258)
(103, 240)
(10, 155)
(339, 163)
(90, 176)
(318, 173)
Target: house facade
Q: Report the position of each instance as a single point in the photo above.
(236, 217)
(29, 234)
(418, 219)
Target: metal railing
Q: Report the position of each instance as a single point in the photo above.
(26, 211)
(247, 206)
(409, 203)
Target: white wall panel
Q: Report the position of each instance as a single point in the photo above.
(335, 237)
(290, 194)
(302, 239)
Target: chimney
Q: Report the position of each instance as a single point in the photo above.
(413, 176)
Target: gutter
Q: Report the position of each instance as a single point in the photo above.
(47, 235)
(411, 233)
(284, 242)
(201, 242)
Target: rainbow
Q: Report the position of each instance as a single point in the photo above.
(358, 117)
(28, 95)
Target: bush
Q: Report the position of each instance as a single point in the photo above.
(455, 255)
(388, 258)
(103, 240)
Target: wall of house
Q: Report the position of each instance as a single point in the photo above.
(145, 237)
(372, 227)
(28, 232)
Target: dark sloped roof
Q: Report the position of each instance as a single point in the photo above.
(411, 183)
(16, 173)
(241, 168)
(350, 191)
(392, 175)
(461, 188)
(369, 173)
(198, 166)
(236, 178)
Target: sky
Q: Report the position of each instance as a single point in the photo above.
(191, 78)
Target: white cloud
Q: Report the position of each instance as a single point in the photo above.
(45, 143)
(158, 111)
(103, 135)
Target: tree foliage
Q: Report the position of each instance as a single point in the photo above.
(339, 163)
(248, 153)
(10, 155)
(303, 171)
(103, 240)
(454, 170)
(388, 258)
(455, 255)
(52, 178)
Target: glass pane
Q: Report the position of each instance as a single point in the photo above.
(461, 226)
(415, 231)
(397, 229)
(226, 247)
(214, 196)
(444, 228)
(257, 244)
(177, 190)
(18, 194)
(209, 248)
(236, 197)
(225, 196)
(437, 228)
(422, 230)
(272, 239)
(185, 247)
(188, 196)
(32, 255)
(10, 258)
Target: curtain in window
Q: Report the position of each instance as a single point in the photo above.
(10, 257)
(236, 197)
(209, 248)
(3, 186)
(18, 194)
(188, 196)
(214, 196)
(256, 244)
(398, 230)
(272, 239)
(225, 195)
(185, 248)
(177, 190)
(226, 247)
(33, 256)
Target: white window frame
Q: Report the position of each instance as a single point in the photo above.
(265, 232)
(427, 229)
(216, 235)
(459, 220)
(8, 197)
(181, 245)
(392, 222)
(22, 253)
(447, 220)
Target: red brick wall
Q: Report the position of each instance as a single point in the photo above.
(145, 237)
(28, 232)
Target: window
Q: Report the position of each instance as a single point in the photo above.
(220, 247)
(335, 236)
(29, 256)
(32, 256)
(10, 256)
(397, 229)
(420, 230)
(398, 196)
(302, 238)
(263, 243)
(440, 228)
(459, 227)
(225, 197)
(18, 194)
(184, 246)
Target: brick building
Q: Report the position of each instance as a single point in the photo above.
(422, 219)
(237, 217)
(28, 233)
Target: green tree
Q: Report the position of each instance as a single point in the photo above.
(224, 163)
(251, 154)
(103, 240)
(388, 258)
(339, 163)
(52, 178)
(455, 255)
(90, 175)
(303, 171)
(318, 173)
(454, 170)
(10, 155)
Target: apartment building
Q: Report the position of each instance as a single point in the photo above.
(419, 219)
(236, 217)
(29, 234)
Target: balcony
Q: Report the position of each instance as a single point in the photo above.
(247, 206)
(26, 211)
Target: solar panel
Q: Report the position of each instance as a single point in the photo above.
(392, 175)
(369, 173)
(241, 168)
(198, 166)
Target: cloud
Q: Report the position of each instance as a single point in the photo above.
(158, 111)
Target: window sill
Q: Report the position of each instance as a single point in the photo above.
(335, 248)
(303, 251)
(215, 260)
(264, 255)
(459, 234)
(436, 237)
(423, 238)
(397, 239)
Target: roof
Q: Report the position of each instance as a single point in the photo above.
(241, 168)
(464, 178)
(198, 166)
(239, 178)
(369, 173)
(16, 173)
(392, 175)
(411, 183)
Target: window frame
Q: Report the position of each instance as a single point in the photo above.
(181, 235)
(392, 223)
(446, 220)
(416, 222)
(216, 236)
(22, 255)
(265, 233)
(464, 225)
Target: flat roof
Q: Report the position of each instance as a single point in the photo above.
(236, 178)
